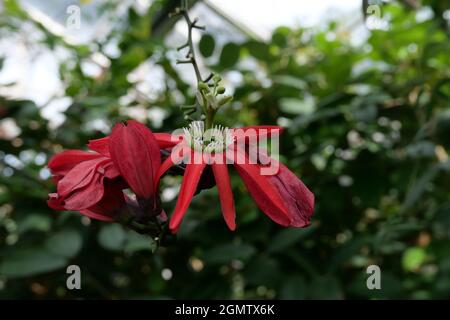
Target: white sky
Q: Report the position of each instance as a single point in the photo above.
(265, 15)
(37, 77)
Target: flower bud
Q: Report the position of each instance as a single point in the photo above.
(220, 90)
(203, 86)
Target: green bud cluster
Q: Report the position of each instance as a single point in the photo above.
(212, 96)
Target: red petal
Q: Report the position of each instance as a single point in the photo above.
(86, 197)
(187, 190)
(91, 214)
(56, 179)
(263, 192)
(63, 162)
(55, 202)
(79, 177)
(166, 140)
(297, 197)
(225, 194)
(111, 171)
(136, 155)
(110, 205)
(162, 169)
(100, 145)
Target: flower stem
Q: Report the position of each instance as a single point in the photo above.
(209, 119)
(191, 58)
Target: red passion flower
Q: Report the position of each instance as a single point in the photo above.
(280, 195)
(92, 182)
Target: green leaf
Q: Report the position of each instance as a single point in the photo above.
(294, 287)
(325, 287)
(413, 258)
(230, 55)
(28, 262)
(207, 45)
(225, 253)
(258, 50)
(65, 243)
(290, 81)
(141, 27)
(442, 215)
(13, 8)
(263, 270)
(347, 251)
(35, 222)
(419, 188)
(365, 112)
(280, 36)
(136, 242)
(112, 237)
(289, 237)
(421, 149)
(296, 106)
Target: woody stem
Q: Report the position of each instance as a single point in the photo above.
(191, 57)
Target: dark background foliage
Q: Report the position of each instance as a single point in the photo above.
(367, 130)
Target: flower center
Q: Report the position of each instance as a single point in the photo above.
(213, 140)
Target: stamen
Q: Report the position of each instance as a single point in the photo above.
(216, 139)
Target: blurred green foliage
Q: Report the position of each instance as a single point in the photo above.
(367, 130)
